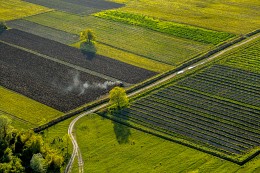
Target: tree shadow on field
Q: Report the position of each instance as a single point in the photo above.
(89, 50)
(122, 132)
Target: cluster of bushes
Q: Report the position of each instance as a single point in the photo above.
(25, 151)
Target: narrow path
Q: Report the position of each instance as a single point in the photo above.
(66, 63)
(76, 150)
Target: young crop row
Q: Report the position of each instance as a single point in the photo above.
(195, 113)
(173, 122)
(217, 123)
(215, 106)
(234, 73)
(175, 29)
(207, 108)
(222, 89)
(245, 58)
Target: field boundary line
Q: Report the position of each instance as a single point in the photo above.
(66, 64)
(17, 118)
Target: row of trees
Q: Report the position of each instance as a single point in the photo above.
(25, 151)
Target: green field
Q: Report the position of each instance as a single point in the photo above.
(237, 17)
(25, 108)
(98, 140)
(246, 58)
(171, 28)
(15, 9)
(135, 40)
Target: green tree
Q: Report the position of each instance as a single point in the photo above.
(5, 126)
(38, 163)
(88, 45)
(3, 26)
(118, 98)
(87, 35)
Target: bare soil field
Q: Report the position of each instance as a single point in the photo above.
(81, 7)
(101, 64)
(50, 83)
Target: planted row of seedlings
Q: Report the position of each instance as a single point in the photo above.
(222, 89)
(204, 103)
(185, 118)
(235, 74)
(201, 116)
(184, 128)
(214, 122)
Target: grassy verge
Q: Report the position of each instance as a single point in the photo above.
(237, 17)
(99, 140)
(15, 9)
(25, 108)
(175, 29)
(135, 40)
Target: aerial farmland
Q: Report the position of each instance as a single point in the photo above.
(153, 86)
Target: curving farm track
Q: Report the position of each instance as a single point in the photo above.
(76, 151)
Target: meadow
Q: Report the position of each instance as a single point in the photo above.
(171, 28)
(238, 17)
(111, 147)
(15, 9)
(136, 40)
(24, 111)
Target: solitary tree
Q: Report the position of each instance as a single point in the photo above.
(2, 26)
(88, 46)
(118, 98)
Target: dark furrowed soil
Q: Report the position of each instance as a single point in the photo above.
(50, 83)
(80, 7)
(101, 64)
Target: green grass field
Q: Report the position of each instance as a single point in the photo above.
(15, 9)
(98, 140)
(25, 108)
(239, 17)
(135, 40)
(176, 29)
(245, 58)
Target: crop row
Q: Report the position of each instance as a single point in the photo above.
(245, 58)
(205, 103)
(207, 108)
(175, 29)
(219, 89)
(193, 112)
(173, 125)
(235, 74)
(170, 114)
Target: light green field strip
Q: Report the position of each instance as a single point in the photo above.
(239, 17)
(136, 40)
(26, 108)
(175, 29)
(130, 58)
(98, 141)
(245, 58)
(15, 9)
